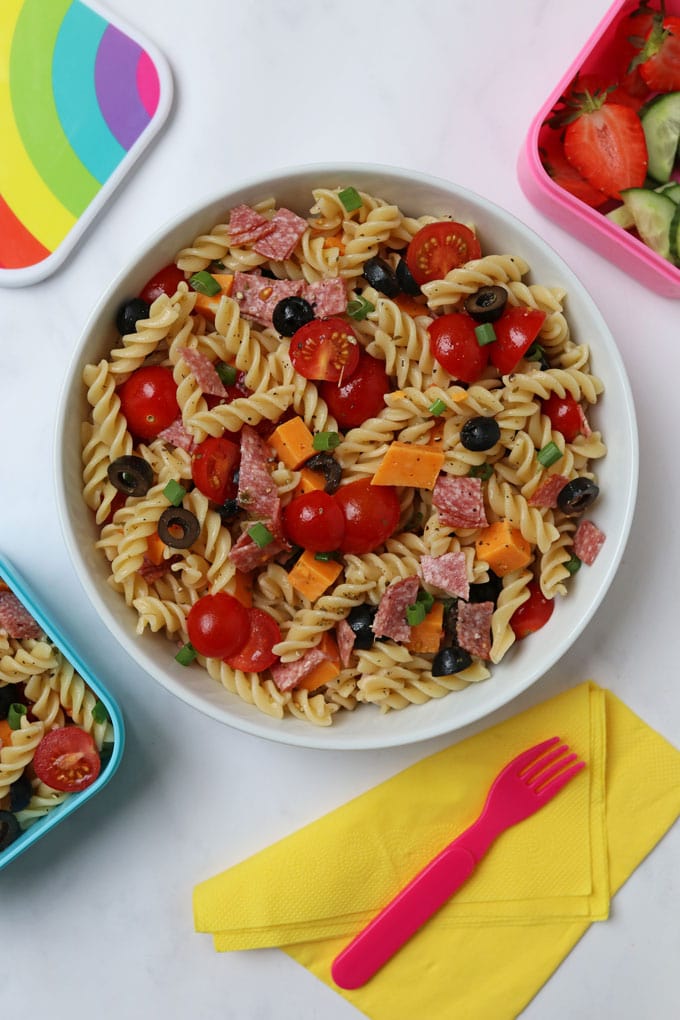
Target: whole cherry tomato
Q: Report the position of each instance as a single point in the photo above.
(566, 415)
(361, 397)
(148, 399)
(454, 344)
(256, 654)
(325, 349)
(371, 515)
(532, 614)
(438, 248)
(213, 464)
(314, 521)
(166, 281)
(67, 759)
(218, 625)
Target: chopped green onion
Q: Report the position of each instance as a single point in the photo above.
(186, 654)
(326, 440)
(205, 283)
(437, 408)
(99, 713)
(351, 199)
(359, 308)
(573, 564)
(425, 599)
(485, 334)
(260, 535)
(483, 471)
(15, 713)
(535, 352)
(548, 454)
(325, 557)
(227, 373)
(174, 492)
(415, 614)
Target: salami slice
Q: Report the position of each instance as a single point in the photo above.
(588, 540)
(247, 555)
(247, 225)
(327, 297)
(176, 434)
(258, 296)
(345, 638)
(287, 675)
(548, 491)
(204, 372)
(460, 501)
(257, 492)
(280, 243)
(16, 619)
(585, 427)
(447, 572)
(473, 627)
(390, 620)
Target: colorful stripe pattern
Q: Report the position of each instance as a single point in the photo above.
(76, 93)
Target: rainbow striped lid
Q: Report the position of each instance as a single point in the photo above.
(80, 99)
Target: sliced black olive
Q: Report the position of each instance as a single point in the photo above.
(9, 828)
(450, 618)
(129, 314)
(291, 314)
(289, 562)
(131, 475)
(361, 620)
(486, 591)
(229, 510)
(10, 694)
(480, 433)
(327, 465)
(178, 527)
(380, 275)
(451, 660)
(20, 793)
(577, 495)
(487, 304)
(406, 281)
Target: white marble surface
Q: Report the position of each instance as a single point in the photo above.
(96, 918)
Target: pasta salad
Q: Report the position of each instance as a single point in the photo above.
(343, 457)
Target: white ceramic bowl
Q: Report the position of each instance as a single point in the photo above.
(528, 660)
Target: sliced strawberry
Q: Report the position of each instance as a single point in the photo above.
(624, 92)
(659, 59)
(557, 166)
(606, 144)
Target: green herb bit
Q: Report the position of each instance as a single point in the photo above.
(205, 283)
(483, 471)
(351, 199)
(359, 308)
(186, 654)
(323, 441)
(260, 534)
(174, 492)
(415, 614)
(99, 712)
(548, 454)
(325, 557)
(15, 714)
(227, 373)
(573, 564)
(485, 334)
(437, 408)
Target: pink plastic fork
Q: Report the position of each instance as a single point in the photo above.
(525, 784)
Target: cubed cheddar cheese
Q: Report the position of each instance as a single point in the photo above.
(327, 670)
(427, 636)
(310, 481)
(503, 547)
(406, 464)
(311, 577)
(293, 442)
(155, 547)
(207, 304)
(241, 587)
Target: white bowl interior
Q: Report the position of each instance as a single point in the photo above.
(617, 472)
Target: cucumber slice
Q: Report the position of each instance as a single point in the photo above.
(652, 214)
(674, 236)
(670, 190)
(661, 125)
(621, 216)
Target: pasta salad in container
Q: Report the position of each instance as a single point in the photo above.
(341, 456)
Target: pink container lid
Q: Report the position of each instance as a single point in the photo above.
(592, 227)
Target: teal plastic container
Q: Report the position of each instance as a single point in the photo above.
(59, 813)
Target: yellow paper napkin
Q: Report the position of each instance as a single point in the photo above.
(529, 901)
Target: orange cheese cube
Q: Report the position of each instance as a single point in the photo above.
(293, 442)
(241, 587)
(207, 304)
(310, 481)
(427, 636)
(155, 547)
(503, 547)
(405, 464)
(326, 670)
(311, 577)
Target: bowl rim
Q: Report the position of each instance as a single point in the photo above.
(304, 734)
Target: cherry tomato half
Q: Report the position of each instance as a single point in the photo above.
(454, 344)
(371, 515)
(566, 415)
(213, 464)
(67, 759)
(218, 625)
(515, 332)
(314, 521)
(532, 614)
(166, 281)
(256, 654)
(362, 397)
(148, 399)
(325, 349)
(439, 247)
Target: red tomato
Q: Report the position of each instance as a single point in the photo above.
(325, 349)
(164, 282)
(67, 759)
(256, 654)
(314, 521)
(213, 464)
(565, 415)
(453, 343)
(218, 625)
(660, 56)
(371, 515)
(607, 146)
(361, 397)
(438, 248)
(515, 332)
(532, 614)
(148, 399)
